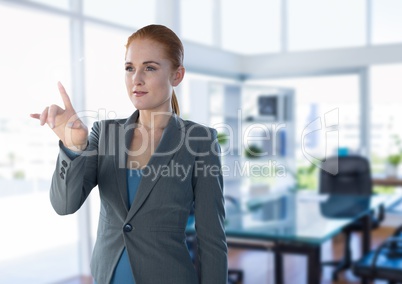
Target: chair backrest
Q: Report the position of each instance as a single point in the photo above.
(353, 176)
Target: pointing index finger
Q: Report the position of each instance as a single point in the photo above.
(64, 96)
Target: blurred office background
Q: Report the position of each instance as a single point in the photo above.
(335, 57)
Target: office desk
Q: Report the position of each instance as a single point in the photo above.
(387, 181)
(297, 223)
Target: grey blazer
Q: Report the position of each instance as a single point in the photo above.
(184, 169)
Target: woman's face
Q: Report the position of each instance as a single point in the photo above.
(150, 77)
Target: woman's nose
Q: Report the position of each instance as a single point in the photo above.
(137, 78)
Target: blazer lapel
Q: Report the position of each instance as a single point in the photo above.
(123, 136)
(171, 141)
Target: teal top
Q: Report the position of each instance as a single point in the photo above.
(122, 272)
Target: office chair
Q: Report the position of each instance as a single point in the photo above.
(352, 176)
(383, 263)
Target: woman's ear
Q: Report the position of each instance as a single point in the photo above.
(178, 76)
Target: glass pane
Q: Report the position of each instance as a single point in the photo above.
(134, 13)
(37, 245)
(321, 103)
(387, 23)
(196, 21)
(104, 72)
(251, 27)
(297, 217)
(63, 4)
(315, 24)
(386, 101)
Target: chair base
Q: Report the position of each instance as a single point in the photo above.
(235, 276)
(388, 267)
(340, 266)
(346, 262)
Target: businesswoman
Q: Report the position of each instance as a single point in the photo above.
(151, 169)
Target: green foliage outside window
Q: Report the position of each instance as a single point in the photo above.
(307, 177)
(222, 138)
(253, 151)
(396, 158)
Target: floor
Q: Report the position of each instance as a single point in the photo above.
(258, 266)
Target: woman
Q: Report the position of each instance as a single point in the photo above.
(151, 169)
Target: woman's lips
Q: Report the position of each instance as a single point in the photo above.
(140, 94)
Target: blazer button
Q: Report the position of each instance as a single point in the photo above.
(64, 163)
(128, 228)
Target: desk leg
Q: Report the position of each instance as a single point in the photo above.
(366, 238)
(313, 254)
(278, 260)
(314, 265)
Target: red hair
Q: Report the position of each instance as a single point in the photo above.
(171, 43)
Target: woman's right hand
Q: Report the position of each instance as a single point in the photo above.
(65, 123)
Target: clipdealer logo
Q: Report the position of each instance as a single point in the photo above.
(327, 127)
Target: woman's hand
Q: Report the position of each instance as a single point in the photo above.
(65, 123)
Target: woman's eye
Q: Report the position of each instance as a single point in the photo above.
(129, 69)
(150, 68)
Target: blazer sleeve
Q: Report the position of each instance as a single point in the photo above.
(209, 213)
(73, 179)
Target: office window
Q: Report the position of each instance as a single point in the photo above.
(106, 92)
(251, 27)
(196, 19)
(134, 13)
(387, 23)
(37, 245)
(63, 4)
(315, 24)
(317, 99)
(386, 105)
